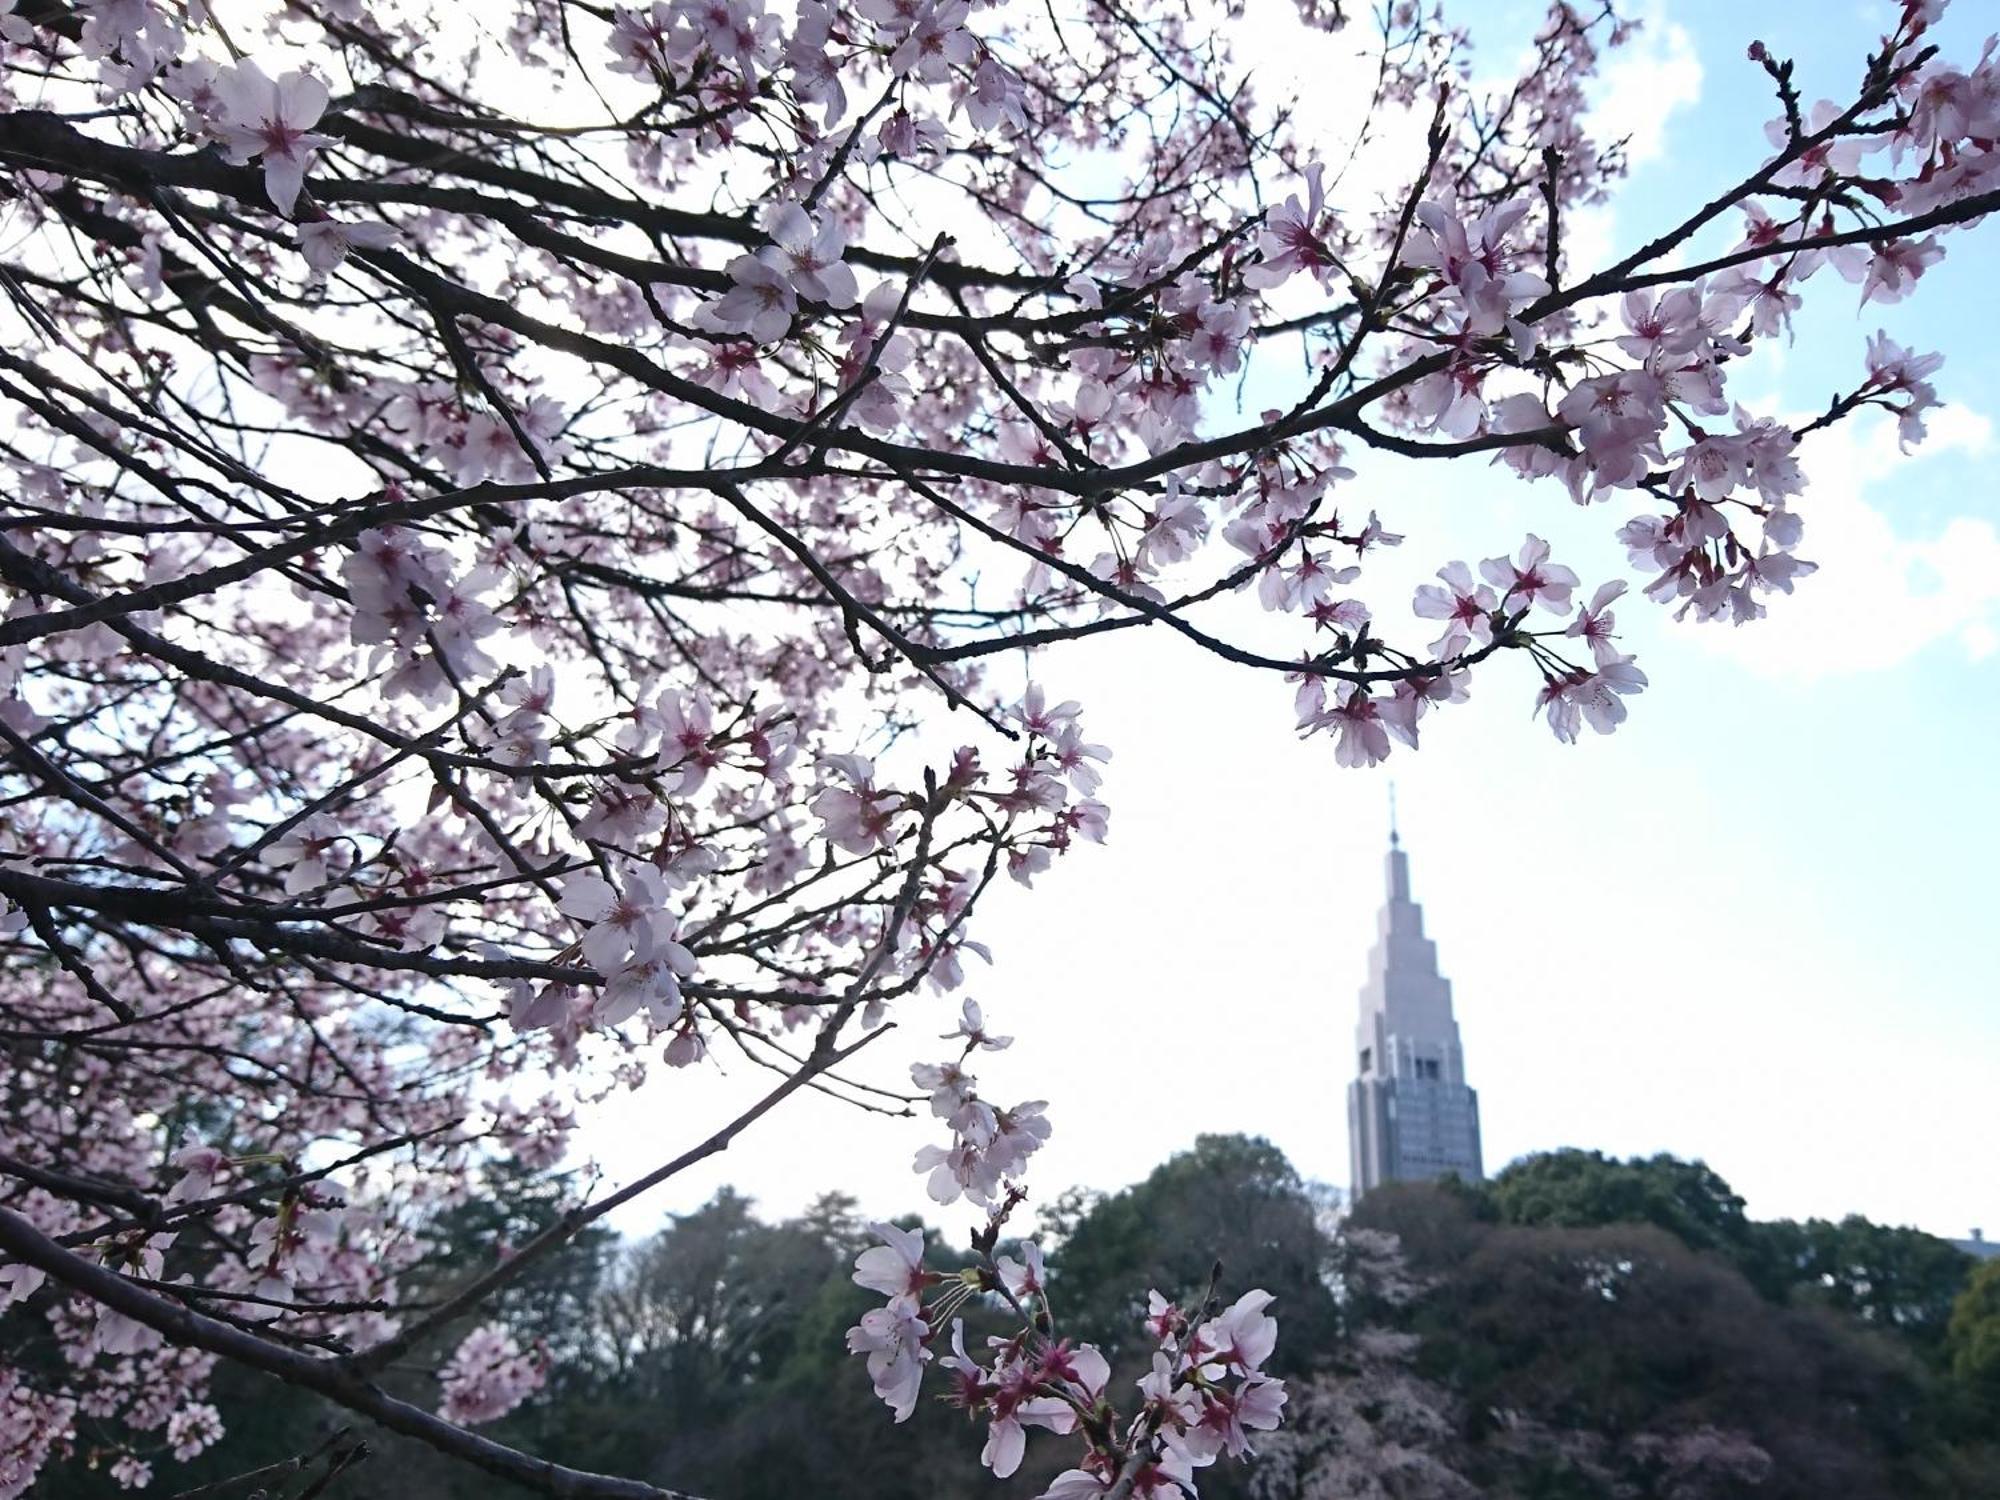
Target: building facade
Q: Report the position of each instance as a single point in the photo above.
(1411, 1115)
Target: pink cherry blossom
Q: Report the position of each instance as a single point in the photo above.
(1896, 372)
(892, 1338)
(1294, 238)
(1529, 579)
(896, 1266)
(1594, 697)
(760, 304)
(325, 243)
(1889, 272)
(1465, 606)
(808, 256)
(972, 1027)
(1242, 1338)
(1355, 719)
(857, 817)
(1474, 261)
(1025, 1277)
(633, 939)
(272, 120)
(487, 1377)
(1595, 623)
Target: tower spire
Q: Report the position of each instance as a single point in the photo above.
(1411, 1113)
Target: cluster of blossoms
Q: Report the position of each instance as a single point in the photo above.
(487, 1376)
(801, 262)
(989, 1146)
(304, 1250)
(1055, 780)
(633, 940)
(420, 612)
(296, 1247)
(469, 443)
(35, 1423)
(1203, 1395)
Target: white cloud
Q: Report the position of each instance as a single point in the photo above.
(1878, 598)
(1639, 91)
(1643, 83)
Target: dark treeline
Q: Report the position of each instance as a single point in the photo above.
(1576, 1328)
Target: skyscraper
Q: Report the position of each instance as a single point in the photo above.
(1410, 1113)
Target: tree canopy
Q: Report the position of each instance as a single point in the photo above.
(1454, 1352)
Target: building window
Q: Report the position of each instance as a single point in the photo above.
(1367, 1057)
(1427, 1067)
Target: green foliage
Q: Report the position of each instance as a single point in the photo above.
(1901, 1280)
(1233, 1203)
(1898, 1279)
(1972, 1340)
(1580, 1189)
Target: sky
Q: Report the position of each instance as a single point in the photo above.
(1755, 926)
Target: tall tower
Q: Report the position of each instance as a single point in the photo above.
(1410, 1114)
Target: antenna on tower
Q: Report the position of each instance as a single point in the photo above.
(1394, 842)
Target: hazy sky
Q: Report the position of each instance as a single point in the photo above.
(1755, 926)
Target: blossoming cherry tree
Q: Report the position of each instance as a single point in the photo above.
(522, 525)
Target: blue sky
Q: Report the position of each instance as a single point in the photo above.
(1754, 926)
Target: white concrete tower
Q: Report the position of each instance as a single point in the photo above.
(1410, 1114)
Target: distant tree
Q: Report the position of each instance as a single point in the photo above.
(552, 1300)
(1972, 1355)
(1972, 1339)
(1573, 1189)
(1367, 1426)
(1899, 1279)
(1231, 1201)
(1902, 1280)
(1592, 1357)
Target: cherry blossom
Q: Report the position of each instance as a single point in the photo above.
(1465, 606)
(760, 304)
(1007, 1394)
(1890, 272)
(310, 853)
(808, 255)
(1360, 734)
(1529, 579)
(1595, 623)
(1593, 697)
(325, 243)
(896, 1266)
(192, 1429)
(857, 817)
(1294, 238)
(1894, 371)
(272, 120)
(200, 1164)
(972, 1027)
(1026, 1277)
(633, 939)
(487, 1377)
(1474, 261)
(892, 1338)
